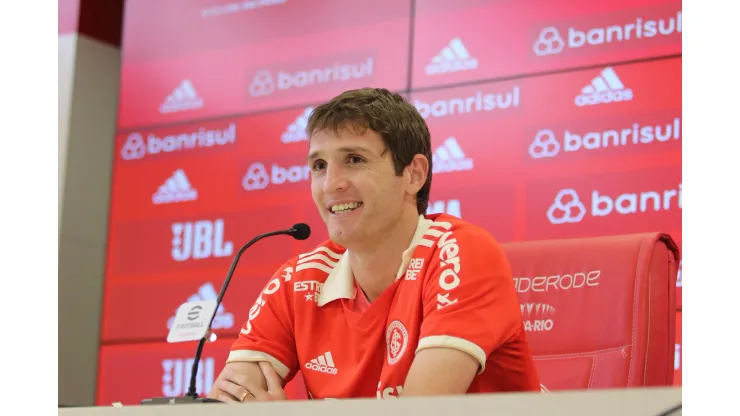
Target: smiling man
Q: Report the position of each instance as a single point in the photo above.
(396, 303)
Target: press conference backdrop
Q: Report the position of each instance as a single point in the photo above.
(549, 119)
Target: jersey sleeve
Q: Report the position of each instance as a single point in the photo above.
(268, 334)
(469, 300)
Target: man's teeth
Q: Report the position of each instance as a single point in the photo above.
(345, 207)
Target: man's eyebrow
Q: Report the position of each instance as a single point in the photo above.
(313, 155)
(356, 149)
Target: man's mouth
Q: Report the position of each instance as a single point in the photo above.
(345, 208)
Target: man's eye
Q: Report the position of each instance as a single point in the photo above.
(319, 165)
(355, 159)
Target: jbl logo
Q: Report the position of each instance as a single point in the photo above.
(451, 207)
(199, 240)
(176, 376)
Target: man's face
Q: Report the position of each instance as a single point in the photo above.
(354, 185)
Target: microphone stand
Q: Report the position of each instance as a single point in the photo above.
(299, 232)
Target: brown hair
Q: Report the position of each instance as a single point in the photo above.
(403, 129)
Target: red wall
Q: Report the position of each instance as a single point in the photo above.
(564, 131)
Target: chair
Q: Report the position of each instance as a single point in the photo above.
(599, 312)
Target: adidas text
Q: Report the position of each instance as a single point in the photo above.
(604, 97)
(321, 368)
(603, 89)
(324, 363)
(477, 102)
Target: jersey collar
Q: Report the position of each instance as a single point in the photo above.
(341, 284)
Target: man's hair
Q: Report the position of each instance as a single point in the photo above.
(404, 131)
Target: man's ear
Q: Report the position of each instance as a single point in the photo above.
(417, 171)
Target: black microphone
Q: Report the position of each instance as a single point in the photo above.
(299, 231)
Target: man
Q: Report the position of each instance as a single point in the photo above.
(396, 303)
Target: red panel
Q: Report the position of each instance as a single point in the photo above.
(203, 186)
(203, 138)
(516, 122)
(141, 310)
(677, 380)
(187, 196)
(131, 373)
(474, 40)
(168, 28)
(226, 78)
(194, 244)
(466, 202)
(607, 204)
(201, 167)
(653, 86)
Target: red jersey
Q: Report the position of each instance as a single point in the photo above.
(454, 289)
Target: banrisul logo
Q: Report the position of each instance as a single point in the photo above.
(265, 82)
(138, 145)
(569, 208)
(548, 143)
(553, 41)
(478, 102)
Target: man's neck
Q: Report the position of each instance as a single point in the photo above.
(375, 268)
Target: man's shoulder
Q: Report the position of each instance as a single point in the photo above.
(461, 245)
(445, 227)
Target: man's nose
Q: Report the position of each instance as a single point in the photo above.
(335, 179)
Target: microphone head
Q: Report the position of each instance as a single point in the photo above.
(300, 231)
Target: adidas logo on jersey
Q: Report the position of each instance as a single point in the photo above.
(223, 319)
(324, 363)
(452, 58)
(182, 98)
(449, 157)
(176, 188)
(604, 89)
(296, 132)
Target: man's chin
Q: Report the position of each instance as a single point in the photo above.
(339, 236)
(344, 236)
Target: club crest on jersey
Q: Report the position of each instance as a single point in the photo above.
(396, 339)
